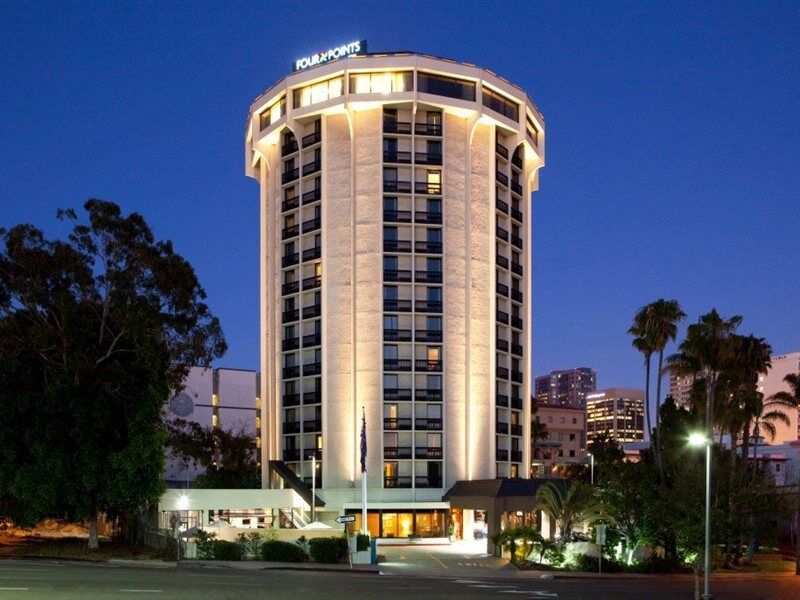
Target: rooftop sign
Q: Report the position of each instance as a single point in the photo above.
(321, 58)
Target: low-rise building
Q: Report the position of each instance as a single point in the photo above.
(565, 442)
(617, 413)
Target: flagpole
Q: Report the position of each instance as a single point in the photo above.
(364, 528)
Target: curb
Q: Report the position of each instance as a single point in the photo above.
(264, 566)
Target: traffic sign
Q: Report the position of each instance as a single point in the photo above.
(346, 519)
(600, 534)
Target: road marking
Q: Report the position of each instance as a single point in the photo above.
(491, 586)
(142, 591)
(13, 589)
(534, 593)
(444, 566)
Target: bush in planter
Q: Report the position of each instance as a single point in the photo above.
(362, 542)
(222, 550)
(277, 551)
(327, 550)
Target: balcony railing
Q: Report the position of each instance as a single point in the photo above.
(393, 185)
(397, 305)
(402, 158)
(310, 312)
(502, 345)
(422, 216)
(397, 335)
(397, 482)
(291, 372)
(290, 287)
(396, 275)
(428, 335)
(502, 317)
(502, 261)
(291, 399)
(289, 260)
(312, 167)
(396, 364)
(290, 147)
(392, 394)
(502, 150)
(312, 138)
(516, 268)
(502, 289)
(310, 283)
(428, 452)
(423, 481)
(425, 247)
(432, 306)
(516, 403)
(502, 372)
(290, 232)
(291, 427)
(502, 455)
(516, 214)
(290, 175)
(502, 233)
(427, 158)
(290, 203)
(290, 344)
(501, 427)
(392, 126)
(516, 322)
(312, 224)
(425, 424)
(501, 400)
(397, 245)
(428, 129)
(501, 178)
(314, 368)
(312, 397)
(516, 296)
(312, 426)
(312, 253)
(396, 452)
(290, 315)
(291, 455)
(312, 196)
(426, 395)
(397, 216)
(516, 160)
(516, 429)
(516, 349)
(516, 188)
(312, 339)
(516, 376)
(517, 241)
(426, 187)
(516, 456)
(432, 366)
(428, 276)
(397, 423)
(501, 205)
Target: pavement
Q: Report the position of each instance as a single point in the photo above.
(48, 580)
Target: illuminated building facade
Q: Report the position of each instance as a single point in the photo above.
(395, 276)
(617, 413)
(566, 388)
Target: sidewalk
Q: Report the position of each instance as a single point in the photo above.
(259, 565)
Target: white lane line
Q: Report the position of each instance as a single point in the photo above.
(534, 593)
(142, 591)
(493, 587)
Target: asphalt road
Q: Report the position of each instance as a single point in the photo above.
(48, 580)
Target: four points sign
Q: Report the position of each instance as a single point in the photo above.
(320, 58)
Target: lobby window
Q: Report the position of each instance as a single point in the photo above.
(500, 104)
(381, 83)
(318, 92)
(446, 86)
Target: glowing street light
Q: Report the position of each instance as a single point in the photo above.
(591, 467)
(698, 439)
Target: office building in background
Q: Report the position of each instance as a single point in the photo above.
(617, 413)
(565, 388)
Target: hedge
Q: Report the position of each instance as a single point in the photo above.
(222, 550)
(276, 551)
(327, 550)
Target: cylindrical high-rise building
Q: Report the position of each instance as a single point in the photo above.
(395, 276)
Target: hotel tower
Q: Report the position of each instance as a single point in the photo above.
(395, 199)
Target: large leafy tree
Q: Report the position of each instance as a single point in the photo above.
(95, 330)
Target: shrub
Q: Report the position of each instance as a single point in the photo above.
(250, 543)
(584, 562)
(222, 550)
(553, 555)
(362, 542)
(277, 551)
(205, 544)
(327, 550)
(657, 564)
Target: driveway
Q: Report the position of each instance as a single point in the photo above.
(459, 559)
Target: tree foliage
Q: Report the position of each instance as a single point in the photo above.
(95, 330)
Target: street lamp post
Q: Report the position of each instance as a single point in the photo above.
(314, 487)
(591, 467)
(701, 439)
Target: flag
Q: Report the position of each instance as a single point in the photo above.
(363, 441)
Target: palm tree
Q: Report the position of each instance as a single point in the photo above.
(568, 504)
(751, 357)
(774, 409)
(538, 431)
(643, 341)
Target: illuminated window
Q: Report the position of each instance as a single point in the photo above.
(500, 104)
(381, 83)
(318, 92)
(273, 113)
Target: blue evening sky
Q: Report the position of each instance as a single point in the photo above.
(673, 144)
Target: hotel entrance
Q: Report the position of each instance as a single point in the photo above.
(468, 524)
(402, 524)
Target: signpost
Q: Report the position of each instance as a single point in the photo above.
(600, 540)
(344, 520)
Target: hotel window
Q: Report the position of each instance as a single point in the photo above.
(533, 131)
(318, 92)
(273, 113)
(500, 104)
(381, 83)
(446, 86)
